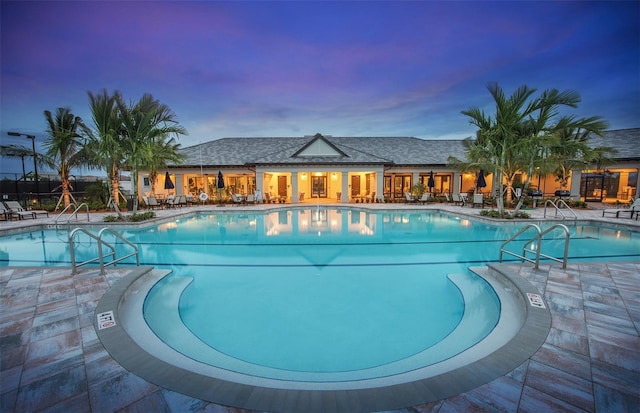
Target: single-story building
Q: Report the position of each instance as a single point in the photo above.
(347, 169)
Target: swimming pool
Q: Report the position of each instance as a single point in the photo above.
(307, 247)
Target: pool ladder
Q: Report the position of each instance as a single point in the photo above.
(101, 255)
(534, 245)
(556, 205)
(73, 214)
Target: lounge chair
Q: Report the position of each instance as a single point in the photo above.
(458, 199)
(408, 198)
(478, 199)
(16, 208)
(6, 213)
(173, 202)
(424, 198)
(633, 209)
(237, 198)
(446, 196)
(152, 202)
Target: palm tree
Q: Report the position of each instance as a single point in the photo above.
(65, 147)
(107, 138)
(146, 125)
(164, 150)
(569, 150)
(515, 139)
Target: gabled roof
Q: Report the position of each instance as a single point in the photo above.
(319, 146)
(397, 151)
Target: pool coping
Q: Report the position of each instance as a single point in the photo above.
(530, 337)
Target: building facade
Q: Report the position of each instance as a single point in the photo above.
(369, 169)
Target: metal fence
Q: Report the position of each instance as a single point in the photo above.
(15, 187)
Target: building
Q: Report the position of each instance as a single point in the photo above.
(366, 169)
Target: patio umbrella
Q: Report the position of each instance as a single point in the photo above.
(168, 183)
(220, 180)
(481, 183)
(431, 182)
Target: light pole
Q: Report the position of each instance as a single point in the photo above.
(35, 163)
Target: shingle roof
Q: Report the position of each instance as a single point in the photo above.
(625, 141)
(393, 150)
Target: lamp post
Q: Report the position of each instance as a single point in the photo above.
(35, 163)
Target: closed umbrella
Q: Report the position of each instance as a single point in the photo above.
(220, 186)
(481, 183)
(431, 182)
(168, 183)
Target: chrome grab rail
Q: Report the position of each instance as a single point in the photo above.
(528, 247)
(101, 255)
(74, 213)
(556, 205)
(523, 256)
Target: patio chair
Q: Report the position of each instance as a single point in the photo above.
(478, 199)
(237, 199)
(633, 209)
(173, 201)
(457, 199)
(446, 197)
(408, 198)
(5, 212)
(424, 198)
(251, 199)
(15, 207)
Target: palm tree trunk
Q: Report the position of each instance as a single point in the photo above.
(115, 196)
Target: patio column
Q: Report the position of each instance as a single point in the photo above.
(259, 184)
(379, 184)
(294, 187)
(457, 182)
(344, 198)
(179, 185)
(576, 178)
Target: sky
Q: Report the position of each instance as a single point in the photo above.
(295, 68)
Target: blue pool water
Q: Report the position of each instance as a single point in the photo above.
(315, 238)
(319, 290)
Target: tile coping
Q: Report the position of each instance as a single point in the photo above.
(165, 367)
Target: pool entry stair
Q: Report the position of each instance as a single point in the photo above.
(101, 244)
(534, 245)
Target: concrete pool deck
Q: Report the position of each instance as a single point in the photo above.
(52, 359)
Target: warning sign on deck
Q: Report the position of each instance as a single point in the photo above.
(535, 300)
(106, 320)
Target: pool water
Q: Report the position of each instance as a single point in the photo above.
(320, 290)
(314, 238)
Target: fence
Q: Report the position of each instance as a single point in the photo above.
(13, 187)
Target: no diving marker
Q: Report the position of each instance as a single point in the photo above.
(106, 320)
(535, 300)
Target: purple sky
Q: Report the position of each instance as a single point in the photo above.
(298, 68)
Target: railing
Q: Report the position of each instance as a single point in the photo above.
(557, 204)
(101, 255)
(530, 247)
(73, 214)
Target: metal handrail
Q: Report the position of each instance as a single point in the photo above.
(567, 237)
(100, 257)
(123, 239)
(74, 213)
(526, 247)
(557, 208)
(523, 255)
(100, 242)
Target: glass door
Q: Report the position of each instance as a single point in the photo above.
(319, 186)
